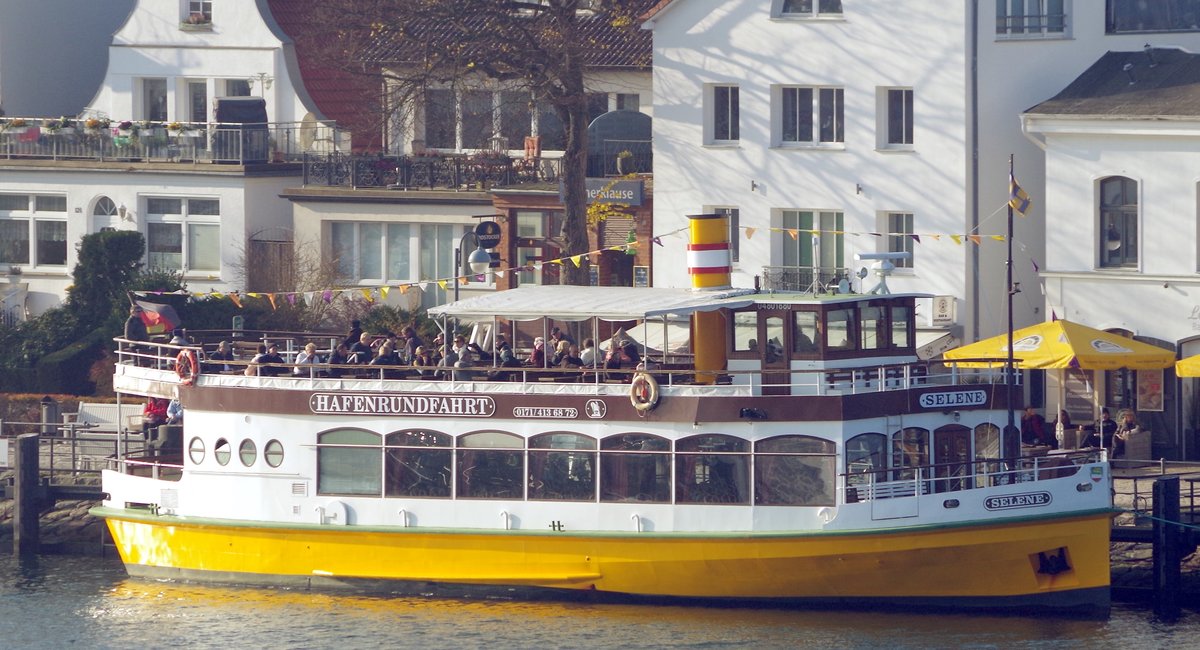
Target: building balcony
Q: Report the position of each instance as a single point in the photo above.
(275, 142)
(818, 279)
(428, 171)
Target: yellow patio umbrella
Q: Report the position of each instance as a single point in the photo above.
(1189, 367)
(1063, 344)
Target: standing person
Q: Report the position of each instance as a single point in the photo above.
(411, 343)
(1033, 428)
(1062, 428)
(135, 327)
(356, 332)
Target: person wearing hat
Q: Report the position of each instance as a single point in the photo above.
(269, 356)
(135, 327)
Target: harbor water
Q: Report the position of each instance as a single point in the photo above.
(78, 602)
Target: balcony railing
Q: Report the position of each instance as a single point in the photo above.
(447, 171)
(274, 142)
(803, 278)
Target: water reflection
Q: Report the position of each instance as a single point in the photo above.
(54, 602)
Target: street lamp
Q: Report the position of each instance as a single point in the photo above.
(479, 261)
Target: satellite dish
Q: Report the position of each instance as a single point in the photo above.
(308, 131)
(843, 286)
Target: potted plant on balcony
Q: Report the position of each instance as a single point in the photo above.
(95, 125)
(58, 126)
(15, 125)
(126, 128)
(175, 128)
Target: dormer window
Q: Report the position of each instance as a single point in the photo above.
(810, 8)
(197, 15)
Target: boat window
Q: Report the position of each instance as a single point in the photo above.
(795, 471)
(712, 468)
(562, 467)
(635, 442)
(635, 467)
(866, 459)
(745, 331)
(910, 449)
(987, 447)
(839, 329)
(273, 453)
(901, 324)
(872, 327)
(491, 465)
(417, 464)
(247, 452)
(196, 450)
(804, 332)
(221, 451)
(349, 462)
(773, 330)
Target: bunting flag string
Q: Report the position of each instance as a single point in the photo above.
(369, 293)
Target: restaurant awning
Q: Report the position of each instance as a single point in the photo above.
(1063, 344)
(1189, 367)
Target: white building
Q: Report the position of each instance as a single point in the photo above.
(869, 121)
(1122, 150)
(201, 200)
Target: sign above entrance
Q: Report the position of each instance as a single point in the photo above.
(629, 192)
(488, 233)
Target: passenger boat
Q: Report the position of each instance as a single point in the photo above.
(826, 466)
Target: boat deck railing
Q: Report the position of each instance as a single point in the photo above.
(794, 381)
(871, 484)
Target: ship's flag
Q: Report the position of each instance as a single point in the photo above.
(159, 318)
(1017, 198)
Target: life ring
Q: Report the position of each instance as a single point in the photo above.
(187, 367)
(643, 392)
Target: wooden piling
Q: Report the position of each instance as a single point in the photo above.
(1168, 542)
(26, 496)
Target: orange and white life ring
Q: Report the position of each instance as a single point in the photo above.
(187, 367)
(643, 392)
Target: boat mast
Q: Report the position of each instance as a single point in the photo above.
(1010, 430)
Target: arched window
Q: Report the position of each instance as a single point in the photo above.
(794, 471)
(491, 465)
(712, 468)
(417, 463)
(910, 449)
(866, 459)
(1118, 222)
(562, 467)
(349, 462)
(635, 467)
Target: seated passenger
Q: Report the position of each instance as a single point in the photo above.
(340, 356)
(154, 414)
(224, 352)
(537, 358)
(307, 357)
(270, 357)
(361, 352)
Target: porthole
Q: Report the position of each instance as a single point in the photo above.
(273, 453)
(247, 452)
(196, 450)
(221, 451)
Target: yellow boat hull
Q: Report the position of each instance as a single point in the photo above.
(985, 565)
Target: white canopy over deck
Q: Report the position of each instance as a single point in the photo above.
(571, 303)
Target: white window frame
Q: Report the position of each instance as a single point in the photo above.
(883, 114)
(384, 254)
(198, 6)
(31, 217)
(731, 104)
(186, 223)
(819, 96)
(898, 239)
(1034, 20)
